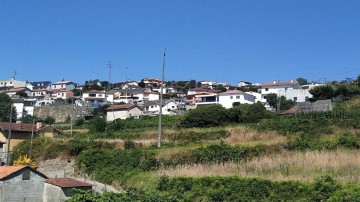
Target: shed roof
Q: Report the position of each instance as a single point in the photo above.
(6, 171)
(67, 182)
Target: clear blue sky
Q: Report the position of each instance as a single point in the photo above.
(230, 40)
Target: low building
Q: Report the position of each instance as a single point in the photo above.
(21, 183)
(123, 112)
(61, 189)
(226, 99)
(23, 131)
(169, 107)
(68, 85)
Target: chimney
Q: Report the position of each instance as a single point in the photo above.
(38, 125)
(274, 81)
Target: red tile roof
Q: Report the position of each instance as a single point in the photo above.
(67, 182)
(62, 82)
(278, 83)
(229, 92)
(95, 91)
(20, 127)
(8, 170)
(15, 89)
(124, 106)
(23, 127)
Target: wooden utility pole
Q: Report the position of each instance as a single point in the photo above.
(9, 137)
(161, 100)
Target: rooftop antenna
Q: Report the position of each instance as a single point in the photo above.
(126, 73)
(109, 66)
(15, 74)
(161, 100)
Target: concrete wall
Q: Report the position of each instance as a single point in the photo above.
(16, 189)
(123, 114)
(62, 113)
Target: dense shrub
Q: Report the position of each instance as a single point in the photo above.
(346, 194)
(97, 125)
(205, 116)
(115, 164)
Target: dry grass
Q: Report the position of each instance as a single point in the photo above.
(301, 166)
(244, 135)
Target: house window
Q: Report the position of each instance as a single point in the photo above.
(286, 88)
(26, 175)
(306, 98)
(266, 89)
(264, 97)
(231, 97)
(295, 99)
(238, 97)
(173, 107)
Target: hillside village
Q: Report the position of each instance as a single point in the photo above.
(213, 132)
(142, 98)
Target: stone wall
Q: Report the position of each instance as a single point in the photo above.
(62, 113)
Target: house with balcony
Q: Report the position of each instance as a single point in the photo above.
(94, 97)
(68, 85)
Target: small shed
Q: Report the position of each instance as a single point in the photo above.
(61, 189)
(21, 183)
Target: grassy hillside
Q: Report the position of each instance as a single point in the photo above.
(297, 149)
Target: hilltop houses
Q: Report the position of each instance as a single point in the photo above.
(179, 97)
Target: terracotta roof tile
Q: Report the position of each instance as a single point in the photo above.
(124, 106)
(20, 127)
(229, 92)
(67, 182)
(8, 170)
(278, 83)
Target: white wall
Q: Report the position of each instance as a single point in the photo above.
(122, 114)
(227, 100)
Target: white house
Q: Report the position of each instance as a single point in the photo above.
(290, 89)
(226, 99)
(126, 95)
(123, 112)
(146, 95)
(153, 107)
(12, 83)
(152, 82)
(68, 85)
(40, 93)
(244, 83)
(62, 94)
(94, 96)
(14, 91)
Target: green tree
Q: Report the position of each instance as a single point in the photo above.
(97, 124)
(28, 119)
(205, 116)
(272, 99)
(5, 106)
(142, 84)
(302, 81)
(221, 88)
(286, 104)
(323, 92)
(22, 94)
(49, 120)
